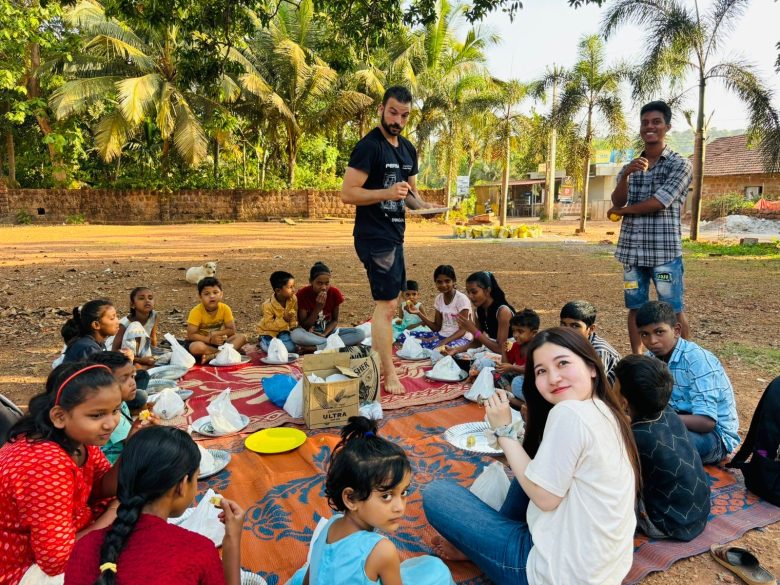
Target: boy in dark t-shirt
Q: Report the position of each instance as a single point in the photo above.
(675, 499)
(381, 182)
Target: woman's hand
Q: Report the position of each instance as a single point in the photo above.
(319, 302)
(497, 409)
(467, 324)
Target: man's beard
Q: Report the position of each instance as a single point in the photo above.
(392, 129)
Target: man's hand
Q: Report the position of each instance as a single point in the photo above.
(398, 191)
(640, 164)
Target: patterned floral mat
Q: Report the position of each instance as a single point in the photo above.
(284, 497)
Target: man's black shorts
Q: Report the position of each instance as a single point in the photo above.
(384, 262)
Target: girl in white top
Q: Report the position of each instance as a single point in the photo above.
(138, 331)
(569, 515)
(449, 304)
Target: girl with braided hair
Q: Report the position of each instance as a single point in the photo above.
(158, 479)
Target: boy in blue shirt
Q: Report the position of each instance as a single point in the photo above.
(675, 498)
(702, 393)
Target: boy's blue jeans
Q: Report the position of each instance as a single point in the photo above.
(497, 542)
(284, 337)
(709, 445)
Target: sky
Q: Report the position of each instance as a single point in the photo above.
(547, 31)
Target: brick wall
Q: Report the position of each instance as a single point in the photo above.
(716, 186)
(141, 206)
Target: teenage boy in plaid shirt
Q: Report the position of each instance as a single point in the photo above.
(649, 195)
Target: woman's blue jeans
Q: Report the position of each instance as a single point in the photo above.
(497, 542)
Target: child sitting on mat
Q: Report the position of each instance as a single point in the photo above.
(280, 312)
(448, 305)
(675, 497)
(138, 331)
(96, 321)
(410, 311)
(211, 323)
(158, 479)
(368, 482)
(318, 312)
(581, 316)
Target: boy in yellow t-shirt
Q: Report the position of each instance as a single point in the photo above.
(211, 323)
(280, 312)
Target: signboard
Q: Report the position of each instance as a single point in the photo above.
(462, 186)
(601, 157)
(566, 191)
(605, 156)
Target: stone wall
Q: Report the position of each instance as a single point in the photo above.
(716, 186)
(141, 206)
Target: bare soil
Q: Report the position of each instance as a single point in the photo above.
(47, 270)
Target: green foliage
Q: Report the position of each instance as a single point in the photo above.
(23, 218)
(702, 249)
(723, 205)
(76, 219)
(764, 359)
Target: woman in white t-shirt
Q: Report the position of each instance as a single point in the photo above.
(569, 515)
(448, 305)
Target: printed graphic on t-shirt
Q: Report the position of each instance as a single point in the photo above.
(321, 323)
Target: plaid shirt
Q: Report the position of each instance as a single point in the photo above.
(655, 239)
(702, 387)
(608, 354)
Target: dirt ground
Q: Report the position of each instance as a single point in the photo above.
(46, 270)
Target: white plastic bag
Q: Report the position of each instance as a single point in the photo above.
(224, 416)
(371, 410)
(168, 404)
(482, 387)
(334, 342)
(179, 355)
(277, 352)
(226, 356)
(492, 485)
(294, 403)
(206, 461)
(411, 349)
(204, 519)
(434, 354)
(446, 369)
(36, 576)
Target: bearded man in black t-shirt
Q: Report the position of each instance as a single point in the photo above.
(381, 181)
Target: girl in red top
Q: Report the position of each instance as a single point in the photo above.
(53, 475)
(318, 312)
(158, 479)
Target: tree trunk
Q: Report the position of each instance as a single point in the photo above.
(699, 147)
(505, 183)
(243, 163)
(586, 178)
(549, 204)
(10, 152)
(59, 174)
(216, 163)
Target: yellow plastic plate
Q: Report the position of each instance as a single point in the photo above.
(277, 440)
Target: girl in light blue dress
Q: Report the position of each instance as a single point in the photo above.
(368, 481)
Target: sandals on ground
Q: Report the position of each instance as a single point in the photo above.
(743, 563)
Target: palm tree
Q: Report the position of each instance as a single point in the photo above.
(593, 88)
(553, 78)
(137, 72)
(682, 40)
(291, 84)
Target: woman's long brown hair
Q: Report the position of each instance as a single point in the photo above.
(539, 408)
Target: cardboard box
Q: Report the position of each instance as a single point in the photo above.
(329, 404)
(365, 363)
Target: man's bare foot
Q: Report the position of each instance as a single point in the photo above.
(393, 385)
(444, 550)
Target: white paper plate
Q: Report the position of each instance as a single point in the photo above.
(160, 384)
(248, 578)
(245, 359)
(181, 392)
(429, 211)
(291, 357)
(167, 372)
(203, 426)
(221, 459)
(431, 376)
(459, 434)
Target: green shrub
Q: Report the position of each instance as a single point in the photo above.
(76, 219)
(23, 218)
(723, 205)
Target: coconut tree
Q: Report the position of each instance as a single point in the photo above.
(592, 89)
(683, 41)
(291, 83)
(137, 72)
